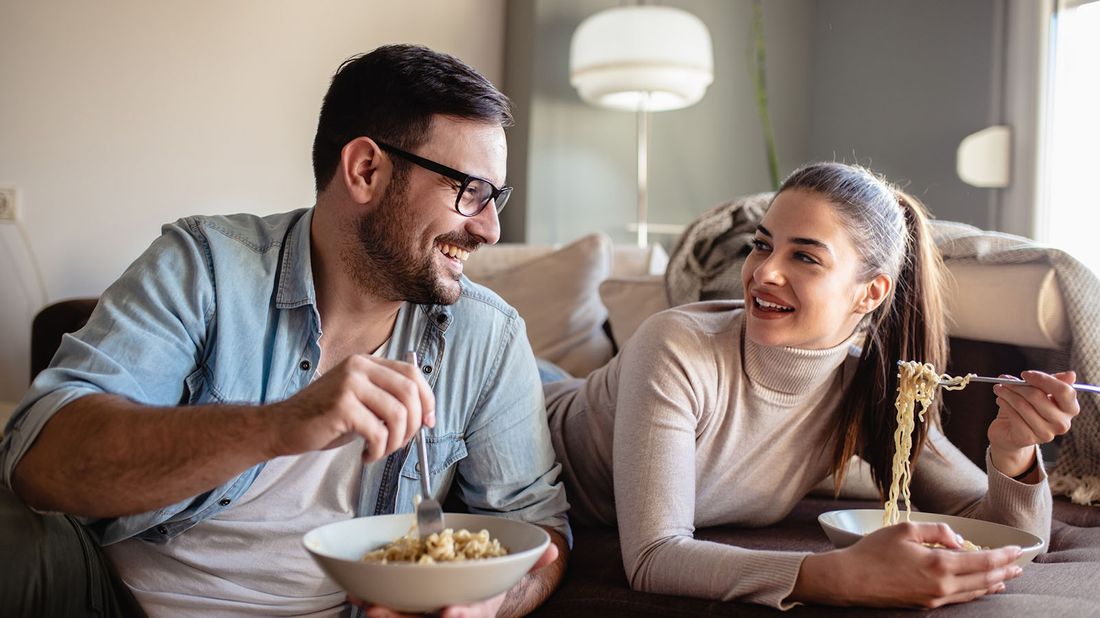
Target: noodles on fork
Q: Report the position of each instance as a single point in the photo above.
(917, 383)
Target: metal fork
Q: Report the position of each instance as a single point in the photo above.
(429, 514)
(1087, 388)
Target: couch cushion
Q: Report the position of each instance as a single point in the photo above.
(635, 261)
(555, 290)
(500, 257)
(629, 301)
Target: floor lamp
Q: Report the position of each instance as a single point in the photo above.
(641, 59)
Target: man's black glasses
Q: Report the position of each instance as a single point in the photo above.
(474, 193)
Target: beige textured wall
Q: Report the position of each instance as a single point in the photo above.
(118, 116)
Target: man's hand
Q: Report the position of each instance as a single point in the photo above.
(487, 608)
(382, 400)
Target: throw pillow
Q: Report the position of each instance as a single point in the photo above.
(629, 301)
(557, 295)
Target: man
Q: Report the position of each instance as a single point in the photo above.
(244, 382)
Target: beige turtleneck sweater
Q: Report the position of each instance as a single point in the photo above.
(692, 425)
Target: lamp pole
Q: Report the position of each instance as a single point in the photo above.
(643, 171)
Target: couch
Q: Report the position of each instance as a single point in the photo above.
(583, 300)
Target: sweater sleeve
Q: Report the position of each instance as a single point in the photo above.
(946, 481)
(665, 373)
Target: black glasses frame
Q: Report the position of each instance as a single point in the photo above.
(499, 197)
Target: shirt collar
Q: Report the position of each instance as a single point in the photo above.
(295, 285)
(296, 275)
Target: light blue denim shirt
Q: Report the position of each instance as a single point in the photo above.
(223, 310)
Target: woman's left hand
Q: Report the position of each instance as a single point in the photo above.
(1030, 414)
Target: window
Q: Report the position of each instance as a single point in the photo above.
(1069, 214)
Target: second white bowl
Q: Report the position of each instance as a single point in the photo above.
(848, 526)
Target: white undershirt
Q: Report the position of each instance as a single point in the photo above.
(249, 559)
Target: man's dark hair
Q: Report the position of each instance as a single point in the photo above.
(391, 94)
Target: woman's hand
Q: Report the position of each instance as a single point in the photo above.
(1030, 414)
(892, 567)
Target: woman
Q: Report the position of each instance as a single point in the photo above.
(728, 412)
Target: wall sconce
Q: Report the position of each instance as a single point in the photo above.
(984, 158)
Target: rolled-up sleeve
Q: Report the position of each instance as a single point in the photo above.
(142, 341)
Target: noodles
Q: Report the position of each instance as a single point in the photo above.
(916, 383)
(447, 546)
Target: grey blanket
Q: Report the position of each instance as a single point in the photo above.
(706, 261)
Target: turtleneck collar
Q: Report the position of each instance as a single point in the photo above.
(792, 371)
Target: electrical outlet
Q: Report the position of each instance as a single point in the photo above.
(7, 203)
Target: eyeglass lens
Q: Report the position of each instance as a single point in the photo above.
(476, 195)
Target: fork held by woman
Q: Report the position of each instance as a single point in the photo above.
(1086, 388)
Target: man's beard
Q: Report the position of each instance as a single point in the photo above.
(387, 263)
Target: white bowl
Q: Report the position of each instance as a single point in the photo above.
(846, 527)
(338, 548)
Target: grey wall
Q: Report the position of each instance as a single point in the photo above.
(519, 57)
(892, 84)
(896, 85)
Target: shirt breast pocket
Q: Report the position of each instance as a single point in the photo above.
(444, 453)
(200, 390)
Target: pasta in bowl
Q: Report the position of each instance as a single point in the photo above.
(339, 548)
(847, 526)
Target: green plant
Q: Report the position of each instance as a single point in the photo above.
(760, 83)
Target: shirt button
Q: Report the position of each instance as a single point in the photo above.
(441, 318)
(427, 368)
(305, 365)
(224, 501)
(162, 529)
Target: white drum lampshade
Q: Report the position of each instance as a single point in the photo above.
(641, 58)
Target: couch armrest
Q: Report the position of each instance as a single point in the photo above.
(1018, 304)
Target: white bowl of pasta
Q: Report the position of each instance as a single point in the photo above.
(339, 549)
(846, 527)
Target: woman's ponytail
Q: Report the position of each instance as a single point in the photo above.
(908, 326)
(915, 329)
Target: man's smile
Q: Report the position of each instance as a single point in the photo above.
(453, 252)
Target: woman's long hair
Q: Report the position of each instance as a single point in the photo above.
(890, 231)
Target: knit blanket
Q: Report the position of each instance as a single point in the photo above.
(706, 264)
(1077, 471)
